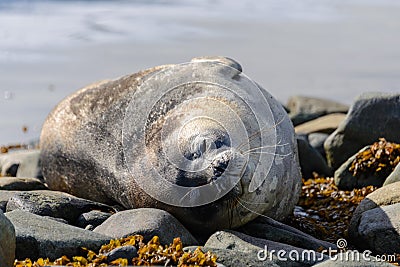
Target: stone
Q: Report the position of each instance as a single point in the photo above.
(269, 229)
(229, 257)
(352, 259)
(93, 218)
(317, 141)
(7, 242)
(5, 196)
(345, 180)
(303, 108)
(325, 124)
(21, 163)
(372, 116)
(236, 241)
(124, 252)
(41, 237)
(375, 222)
(147, 222)
(394, 176)
(380, 229)
(54, 204)
(22, 184)
(311, 160)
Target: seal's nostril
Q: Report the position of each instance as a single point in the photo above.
(220, 165)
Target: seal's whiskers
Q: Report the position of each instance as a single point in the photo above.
(266, 128)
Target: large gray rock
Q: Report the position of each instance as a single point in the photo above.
(394, 176)
(147, 222)
(22, 184)
(41, 237)
(372, 116)
(244, 243)
(304, 108)
(375, 222)
(54, 204)
(311, 160)
(267, 228)
(21, 163)
(7, 242)
(345, 180)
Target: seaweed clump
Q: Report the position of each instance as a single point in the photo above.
(150, 254)
(379, 159)
(324, 211)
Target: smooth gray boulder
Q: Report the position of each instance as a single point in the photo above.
(147, 222)
(41, 237)
(124, 252)
(304, 108)
(7, 242)
(269, 229)
(311, 160)
(394, 176)
(55, 204)
(21, 184)
(21, 163)
(372, 116)
(345, 180)
(237, 241)
(375, 222)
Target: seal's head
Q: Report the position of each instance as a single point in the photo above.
(209, 145)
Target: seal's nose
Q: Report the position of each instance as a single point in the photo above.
(220, 164)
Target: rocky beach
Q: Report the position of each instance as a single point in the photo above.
(165, 158)
(350, 193)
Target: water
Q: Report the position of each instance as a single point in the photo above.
(332, 49)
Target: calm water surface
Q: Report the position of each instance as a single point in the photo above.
(332, 49)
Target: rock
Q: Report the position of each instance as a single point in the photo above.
(244, 243)
(7, 242)
(41, 237)
(124, 252)
(317, 141)
(22, 184)
(375, 222)
(372, 116)
(380, 229)
(147, 222)
(5, 196)
(311, 161)
(229, 257)
(54, 204)
(352, 259)
(21, 163)
(303, 108)
(345, 180)
(267, 228)
(93, 218)
(326, 124)
(394, 176)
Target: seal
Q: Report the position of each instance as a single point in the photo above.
(200, 140)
